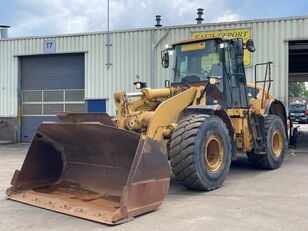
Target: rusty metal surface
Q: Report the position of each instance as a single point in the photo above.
(79, 117)
(93, 171)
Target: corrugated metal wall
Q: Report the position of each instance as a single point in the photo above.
(131, 56)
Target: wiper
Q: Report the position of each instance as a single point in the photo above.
(178, 74)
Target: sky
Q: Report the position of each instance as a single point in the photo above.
(45, 17)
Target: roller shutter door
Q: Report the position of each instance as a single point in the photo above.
(49, 84)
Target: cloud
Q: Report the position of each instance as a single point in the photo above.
(37, 17)
(228, 16)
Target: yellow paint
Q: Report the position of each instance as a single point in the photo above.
(240, 125)
(198, 93)
(237, 124)
(255, 104)
(156, 93)
(143, 137)
(245, 34)
(277, 143)
(247, 144)
(167, 111)
(238, 112)
(193, 46)
(214, 153)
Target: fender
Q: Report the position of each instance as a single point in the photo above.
(276, 107)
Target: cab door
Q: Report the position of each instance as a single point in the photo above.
(235, 78)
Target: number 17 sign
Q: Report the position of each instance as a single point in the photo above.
(49, 46)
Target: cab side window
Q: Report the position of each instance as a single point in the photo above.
(233, 66)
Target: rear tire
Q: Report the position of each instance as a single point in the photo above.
(276, 145)
(200, 152)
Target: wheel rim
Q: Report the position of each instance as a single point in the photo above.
(277, 143)
(213, 153)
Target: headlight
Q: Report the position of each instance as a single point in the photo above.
(292, 114)
(302, 114)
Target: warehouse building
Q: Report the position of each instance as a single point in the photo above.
(80, 72)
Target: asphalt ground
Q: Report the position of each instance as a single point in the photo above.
(250, 199)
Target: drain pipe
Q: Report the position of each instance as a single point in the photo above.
(108, 44)
(154, 52)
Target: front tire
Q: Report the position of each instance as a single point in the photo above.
(200, 152)
(276, 145)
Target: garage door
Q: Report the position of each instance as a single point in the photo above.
(50, 84)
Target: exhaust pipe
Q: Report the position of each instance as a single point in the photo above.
(199, 19)
(158, 20)
(4, 31)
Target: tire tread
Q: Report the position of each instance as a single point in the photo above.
(181, 152)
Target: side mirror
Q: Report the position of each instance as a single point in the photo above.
(165, 58)
(250, 46)
(238, 47)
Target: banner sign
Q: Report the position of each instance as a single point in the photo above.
(231, 33)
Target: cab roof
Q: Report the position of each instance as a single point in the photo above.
(198, 40)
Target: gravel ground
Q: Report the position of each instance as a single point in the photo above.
(250, 199)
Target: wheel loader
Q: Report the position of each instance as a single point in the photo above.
(111, 170)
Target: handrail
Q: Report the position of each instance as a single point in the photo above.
(269, 81)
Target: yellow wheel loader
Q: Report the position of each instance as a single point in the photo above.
(110, 170)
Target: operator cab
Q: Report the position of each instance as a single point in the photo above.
(195, 62)
(198, 60)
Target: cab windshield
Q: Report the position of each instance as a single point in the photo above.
(194, 62)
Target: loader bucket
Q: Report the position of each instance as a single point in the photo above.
(92, 170)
